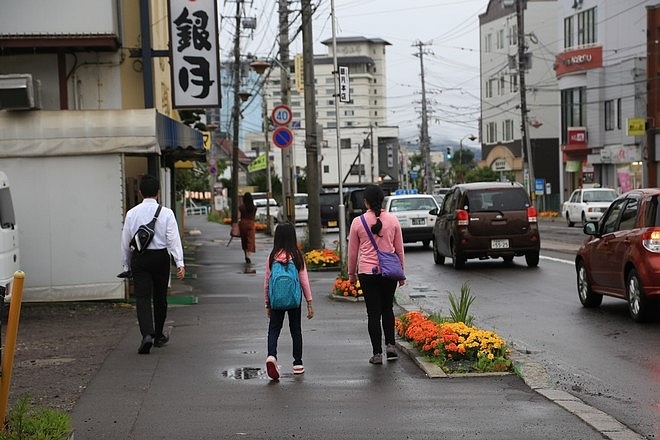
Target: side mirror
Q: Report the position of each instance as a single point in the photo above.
(434, 211)
(590, 228)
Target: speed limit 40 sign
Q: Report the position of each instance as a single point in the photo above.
(281, 115)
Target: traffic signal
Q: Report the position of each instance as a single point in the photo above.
(448, 153)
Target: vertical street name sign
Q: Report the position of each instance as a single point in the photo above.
(344, 85)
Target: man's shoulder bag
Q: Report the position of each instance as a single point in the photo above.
(144, 235)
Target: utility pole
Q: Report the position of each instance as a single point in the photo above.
(526, 147)
(236, 113)
(425, 142)
(311, 137)
(287, 162)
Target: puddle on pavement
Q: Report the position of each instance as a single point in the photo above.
(244, 373)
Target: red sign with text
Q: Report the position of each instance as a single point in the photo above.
(578, 60)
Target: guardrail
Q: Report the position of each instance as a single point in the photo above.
(197, 210)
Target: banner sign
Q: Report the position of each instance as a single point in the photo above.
(344, 85)
(194, 53)
(258, 164)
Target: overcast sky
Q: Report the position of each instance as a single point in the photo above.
(451, 64)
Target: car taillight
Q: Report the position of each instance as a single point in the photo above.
(531, 214)
(462, 217)
(651, 240)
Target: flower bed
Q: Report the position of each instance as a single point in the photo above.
(454, 346)
(343, 287)
(321, 259)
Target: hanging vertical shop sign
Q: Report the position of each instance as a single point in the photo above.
(194, 53)
(344, 85)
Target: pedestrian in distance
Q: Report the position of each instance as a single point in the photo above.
(151, 268)
(363, 266)
(246, 226)
(285, 249)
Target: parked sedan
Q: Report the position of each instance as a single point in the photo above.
(587, 204)
(621, 257)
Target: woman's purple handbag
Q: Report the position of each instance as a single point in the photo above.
(390, 265)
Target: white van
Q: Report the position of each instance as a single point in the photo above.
(301, 212)
(9, 252)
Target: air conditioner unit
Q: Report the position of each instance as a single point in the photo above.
(19, 92)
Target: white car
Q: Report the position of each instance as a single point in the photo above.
(412, 210)
(273, 207)
(300, 206)
(587, 204)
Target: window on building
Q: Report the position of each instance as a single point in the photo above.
(513, 83)
(488, 43)
(295, 103)
(330, 80)
(349, 113)
(357, 170)
(568, 32)
(330, 92)
(326, 169)
(507, 130)
(349, 123)
(500, 39)
(573, 109)
(491, 132)
(375, 91)
(331, 124)
(613, 114)
(501, 86)
(345, 144)
(586, 27)
(295, 115)
(513, 35)
(331, 113)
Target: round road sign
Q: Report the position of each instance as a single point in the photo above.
(282, 137)
(281, 115)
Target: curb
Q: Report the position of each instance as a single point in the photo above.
(535, 377)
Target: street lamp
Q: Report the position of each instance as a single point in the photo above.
(460, 153)
(260, 67)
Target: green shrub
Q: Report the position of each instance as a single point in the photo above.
(26, 422)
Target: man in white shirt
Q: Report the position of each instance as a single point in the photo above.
(151, 269)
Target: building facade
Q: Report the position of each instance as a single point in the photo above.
(368, 148)
(601, 72)
(501, 120)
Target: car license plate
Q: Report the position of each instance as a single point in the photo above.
(418, 221)
(332, 224)
(499, 244)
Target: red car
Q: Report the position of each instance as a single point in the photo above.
(621, 258)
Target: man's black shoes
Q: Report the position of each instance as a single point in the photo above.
(161, 340)
(146, 344)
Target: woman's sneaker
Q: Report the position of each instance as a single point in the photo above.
(390, 351)
(376, 359)
(272, 369)
(298, 369)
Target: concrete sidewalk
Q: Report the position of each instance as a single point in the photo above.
(209, 381)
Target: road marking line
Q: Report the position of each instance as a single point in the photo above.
(558, 260)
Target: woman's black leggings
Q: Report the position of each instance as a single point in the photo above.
(379, 298)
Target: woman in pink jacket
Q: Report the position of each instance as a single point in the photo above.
(363, 265)
(285, 248)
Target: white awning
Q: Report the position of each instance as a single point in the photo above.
(70, 132)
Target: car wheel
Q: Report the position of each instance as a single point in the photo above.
(568, 220)
(638, 304)
(437, 258)
(584, 219)
(587, 297)
(458, 262)
(426, 243)
(532, 258)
